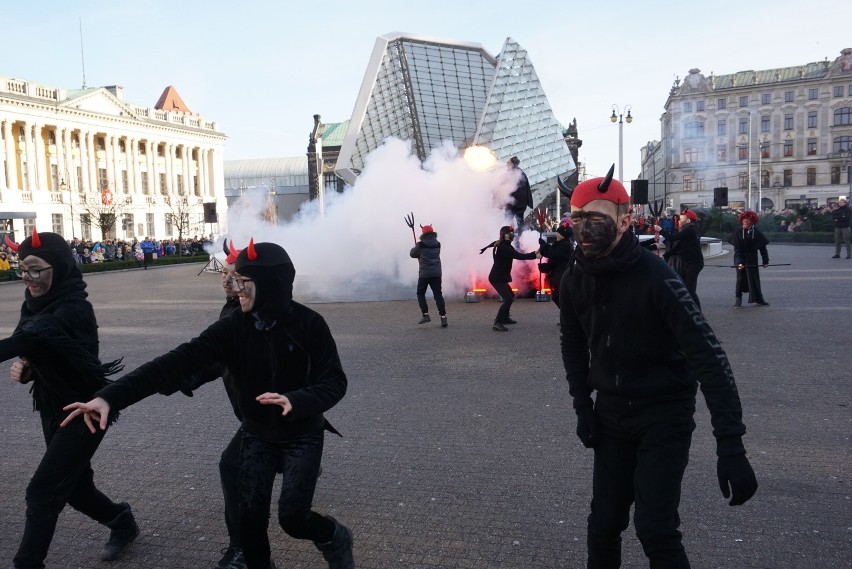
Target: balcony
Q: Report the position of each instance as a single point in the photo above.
(56, 197)
(27, 197)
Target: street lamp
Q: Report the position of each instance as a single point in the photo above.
(617, 118)
(62, 187)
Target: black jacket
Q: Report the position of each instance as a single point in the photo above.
(747, 243)
(841, 216)
(686, 245)
(428, 252)
(297, 358)
(522, 195)
(603, 352)
(558, 255)
(504, 254)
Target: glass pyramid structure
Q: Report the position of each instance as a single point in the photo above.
(429, 90)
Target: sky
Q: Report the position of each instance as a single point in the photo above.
(262, 69)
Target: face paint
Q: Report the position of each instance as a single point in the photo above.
(595, 232)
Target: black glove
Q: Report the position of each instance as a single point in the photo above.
(736, 477)
(587, 426)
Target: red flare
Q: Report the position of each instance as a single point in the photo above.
(252, 254)
(11, 244)
(36, 240)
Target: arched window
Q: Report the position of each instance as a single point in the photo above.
(842, 144)
(843, 116)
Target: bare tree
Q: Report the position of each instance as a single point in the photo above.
(104, 211)
(180, 209)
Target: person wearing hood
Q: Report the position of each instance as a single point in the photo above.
(287, 373)
(500, 276)
(748, 242)
(683, 252)
(56, 339)
(428, 252)
(640, 422)
(558, 256)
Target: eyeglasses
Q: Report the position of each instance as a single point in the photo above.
(238, 284)
(34, 274)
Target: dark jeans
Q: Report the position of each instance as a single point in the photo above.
(229, 474)
(640, 459)
(299, 462)
(64, 476)
(841, 237)
(435, 284)
(689, 274)
(507, 297)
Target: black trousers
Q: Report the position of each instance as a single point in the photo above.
(748, 280)
(689, 274)
(229, 475)
(435, 284)
(299, 462)
(640, 460)
(64, 476)
(507, 297)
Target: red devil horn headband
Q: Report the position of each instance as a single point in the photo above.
(11, 244)
(36, 240)
(232, 252)
(252, 254)
(604, 185)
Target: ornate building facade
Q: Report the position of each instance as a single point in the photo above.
(774, 138)
(85, 163)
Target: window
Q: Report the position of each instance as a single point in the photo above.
(764, 178)
(687, 183)
(694, 129)
(743, 126)
(843, 116)
(161, 150)
(103, 180)
(788, 148)
(849, 90)
(121, 147)
(812, 119)
(80, 179)
(722, 181)
(744, 101)
(811, 177)
(838, 90)
(142, 149)
(693, 155)
(764, 150)
(842, 144)
(812, 146)
(196, 186)
(149, 221)
(125, 182)
(699, 106)
(86, 226)
(766, 98)
(100, 143)
(788, 177)
(743, 180)
(813, 94)
(163, 189)
(56, 222)
(699, 184)
(180, 184)
(764, 123)
(144, 182)
(742, 152)
(835, 176)
(789, 96)
(788, 121)
(54, 178)
(687, 107)
(721, 127)
(723, 104)
(169, 226)
(722, 153)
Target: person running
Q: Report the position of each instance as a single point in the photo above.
(287, 373)
(500, 276)
(57, 341)
(428, 252)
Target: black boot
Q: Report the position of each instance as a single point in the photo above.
(338, 551)
(232, 558)
(124, 531)
(739, 302)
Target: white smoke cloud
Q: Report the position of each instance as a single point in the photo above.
(358, 249)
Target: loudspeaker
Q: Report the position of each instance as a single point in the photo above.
(720, 197)
(210, 212)
(639, 192)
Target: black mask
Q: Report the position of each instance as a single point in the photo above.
(595, 232)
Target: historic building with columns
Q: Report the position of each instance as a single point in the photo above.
(85, 163)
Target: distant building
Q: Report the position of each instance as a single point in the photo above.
(85, 163)
(775, 138)
(284, 179)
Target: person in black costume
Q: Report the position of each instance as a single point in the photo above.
(500, 276)
(640, 422)
(521, 197)
(747, 242)
(428, 253)
(683, 252)
(558, 256)
(57, 341)
(287, 373)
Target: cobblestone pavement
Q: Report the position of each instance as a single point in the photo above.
(459, 448)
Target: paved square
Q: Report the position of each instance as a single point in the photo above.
(459, 448)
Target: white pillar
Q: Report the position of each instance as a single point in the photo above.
(170, 182)
(29, 142)
(11, 155)
(90, 170)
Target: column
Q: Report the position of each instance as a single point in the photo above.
(11, 155)
(69, 167)
(170, 182)
(135, 184)
(202, 173)
(151, 165)
(59, 156)
(42, 171)
(29, 143)
(91, 165)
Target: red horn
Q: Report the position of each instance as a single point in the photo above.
(252, 254)
(11, 244)
(36, 240)
(232, 254)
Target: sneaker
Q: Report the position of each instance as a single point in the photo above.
(837, 257)
(443, 321)
(509, 321)
(425, 319)
(232, 558)
(762, 303)
(498, 327)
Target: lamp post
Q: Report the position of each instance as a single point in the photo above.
(62, 187)
(616, 117)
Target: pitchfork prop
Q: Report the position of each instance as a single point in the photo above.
(541, 217)
(409, 221)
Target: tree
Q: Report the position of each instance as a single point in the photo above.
(179, 216)
(104, 210)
